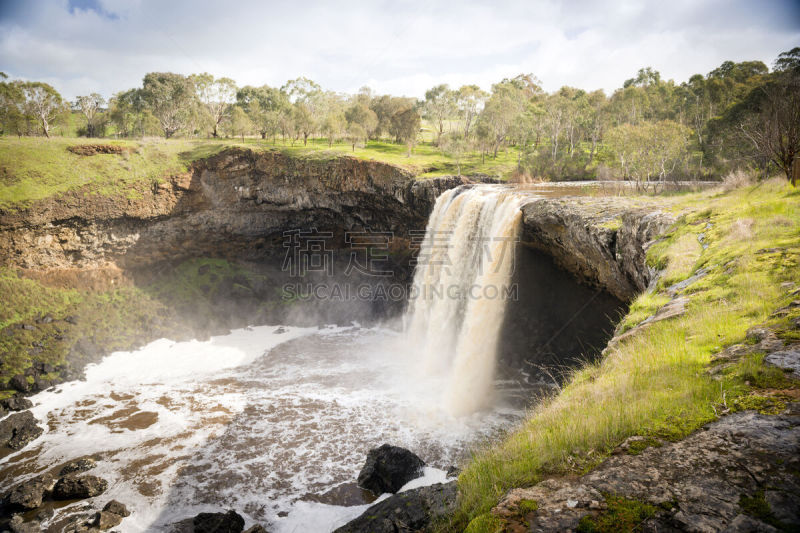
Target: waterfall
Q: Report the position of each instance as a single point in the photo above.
(457, 306)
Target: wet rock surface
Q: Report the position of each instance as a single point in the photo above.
(28, 494)
(78, 465)
(111, 516)
(15, 403)
(229, 522)
(406, 512)
(79, 487)
(702, 483)
(18, 429)
(388, 468)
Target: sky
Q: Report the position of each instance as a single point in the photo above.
(397, 47)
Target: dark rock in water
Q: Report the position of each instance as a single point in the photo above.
(19, 382)
(230, 522)
(76, 488)
(40, 384)
(279, 330)
(117, 508)
(17, 430)
(105, 520)
(15, 403)
(28, 494)
(78, 465)
(388, 468)
(111, 515)
(412, 510)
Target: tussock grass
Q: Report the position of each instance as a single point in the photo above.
(656, 383)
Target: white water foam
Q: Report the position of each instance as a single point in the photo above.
(256, 421)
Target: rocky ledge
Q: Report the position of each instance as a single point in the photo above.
(602, 241)
(235, 204)
(735, 474)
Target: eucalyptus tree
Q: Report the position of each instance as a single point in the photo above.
(334, 122)
(12, 107)
(266, 106)
(771, 123)
(306, 97)
(359, 113)
(455, 146)
(469, 100)
(355, 134)
(128, 112)
(439, 105)
(385, 107)
(43, 103)
(90, 106)
(507, 102)
(171, 98)
(405, 127)
(650, 151)
(238, 122)
(304, 120)
(216, 95)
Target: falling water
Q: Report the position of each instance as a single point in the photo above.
(460, 290)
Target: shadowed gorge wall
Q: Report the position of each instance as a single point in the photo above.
(556, 322)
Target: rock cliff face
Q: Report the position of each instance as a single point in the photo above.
(237, 203)
(601, 241)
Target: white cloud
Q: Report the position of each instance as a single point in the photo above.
(400, 47)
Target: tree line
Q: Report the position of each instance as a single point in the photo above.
(738, 115)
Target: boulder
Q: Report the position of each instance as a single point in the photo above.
(409, 511)
(15, 403)
(40, 384)
(19, 383)
(388, 468)
(230, 522)
(117, 508)
(28, 494)
(77, 488)
(105, 520)
(18, 429)
(78, 465)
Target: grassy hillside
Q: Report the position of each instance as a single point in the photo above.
(33, 168)
(656, 383)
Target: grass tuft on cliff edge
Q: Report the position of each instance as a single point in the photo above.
(656, 382)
